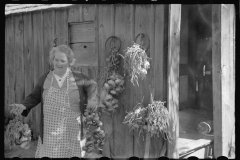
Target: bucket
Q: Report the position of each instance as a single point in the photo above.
(205, 127)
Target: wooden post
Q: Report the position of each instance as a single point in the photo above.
(173, 77)
(223, 40)
(148, 138)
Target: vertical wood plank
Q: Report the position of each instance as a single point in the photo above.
(18, 27)
(88, 12)
(6, 80)
(223, 79)
(173, 77)
(37, 42)
(61, 26)
(28, 60)
(143, 24)
(9, 57)
(97, 70)
(105, 31)
(123, 139)
(216, 73)
(47, 37)
(75, 13)
(157, 68)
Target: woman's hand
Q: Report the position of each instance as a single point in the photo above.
(17, 109)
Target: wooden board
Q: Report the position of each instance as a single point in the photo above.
(105, 31)
(184, 34)
(89, 12)
(38, 61)
(75, 13)
(82, 32)
(223, 79)
(173, 77)
(28, 61)
(48, 37)
(84, 53)
(123, 139)
(158, 69)
(61, 26)
(18, 70)
(9, 65)
(142, 25)
(202, 152)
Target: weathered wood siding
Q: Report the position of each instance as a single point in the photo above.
(126, 22)
(173, 77)
(224, 79)
(30, 36)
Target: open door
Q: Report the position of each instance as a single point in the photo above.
(195, 81)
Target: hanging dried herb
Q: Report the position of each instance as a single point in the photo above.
(153, 119)
(136, 62)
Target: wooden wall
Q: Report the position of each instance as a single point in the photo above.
(30, 36)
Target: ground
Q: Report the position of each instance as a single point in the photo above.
(20, 152)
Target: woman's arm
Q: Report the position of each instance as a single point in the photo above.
(34, 98)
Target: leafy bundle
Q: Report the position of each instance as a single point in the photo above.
(17, 133)
(136, 62)
(112, 64)
(154, 119)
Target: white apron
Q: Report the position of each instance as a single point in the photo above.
(61, 136)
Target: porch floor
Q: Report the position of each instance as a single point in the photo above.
(189, 138)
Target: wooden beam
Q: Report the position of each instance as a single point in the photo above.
(223, 27)
(173, 77)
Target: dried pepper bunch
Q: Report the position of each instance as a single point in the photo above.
(95, 136)
(136, 62)
(112, 63)
(154, 119)
(17, 133)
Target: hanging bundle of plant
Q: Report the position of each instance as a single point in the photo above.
(153, 119)
(112, 87)
(95, 136)
(136, 63)
(17, 133)
(158, 119)
(136, 119)
(112, 64)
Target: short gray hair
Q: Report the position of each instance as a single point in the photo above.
(64, 49)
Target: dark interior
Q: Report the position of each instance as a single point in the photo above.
(195, 75)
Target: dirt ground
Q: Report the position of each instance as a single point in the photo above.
(20, 152)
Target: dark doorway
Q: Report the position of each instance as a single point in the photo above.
(195, 75)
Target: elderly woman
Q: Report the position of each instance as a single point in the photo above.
(63, 95)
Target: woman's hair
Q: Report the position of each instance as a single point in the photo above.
(64, 49)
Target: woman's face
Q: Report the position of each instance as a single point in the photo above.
(60, 62)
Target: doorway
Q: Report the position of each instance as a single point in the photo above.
(195, 80)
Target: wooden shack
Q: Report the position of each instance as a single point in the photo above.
(192, 51)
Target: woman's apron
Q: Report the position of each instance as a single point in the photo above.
(61, 137)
